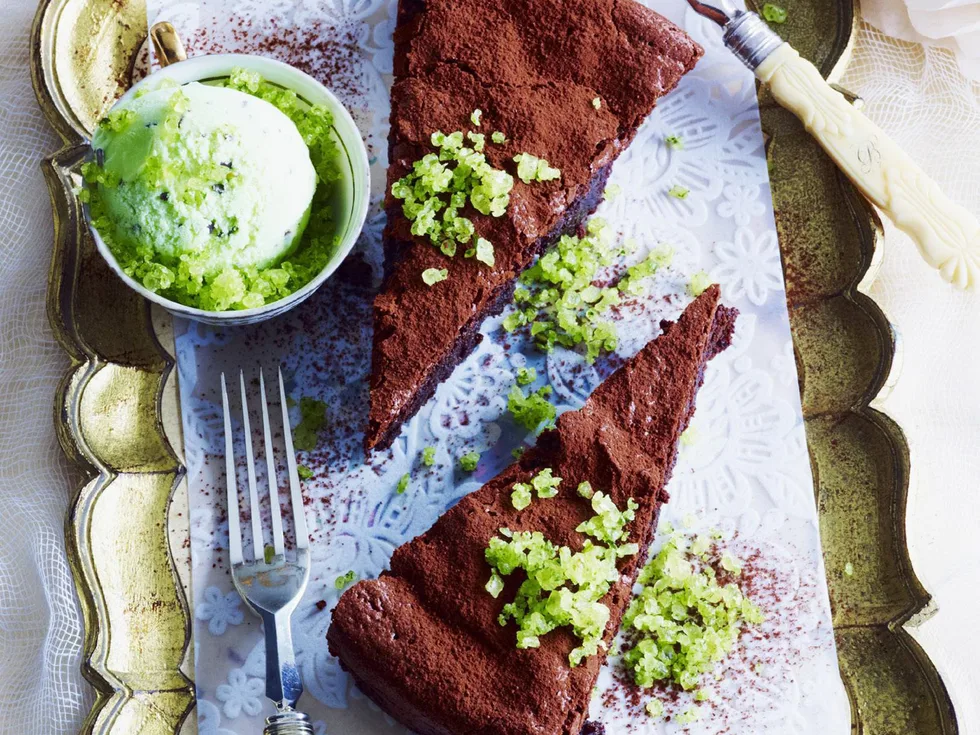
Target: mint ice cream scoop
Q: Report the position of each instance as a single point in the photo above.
(209, 174)
(203, 193)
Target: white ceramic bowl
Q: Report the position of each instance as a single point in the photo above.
(354, 195)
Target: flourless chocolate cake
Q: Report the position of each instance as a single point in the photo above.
(424, 640)
(568, 81)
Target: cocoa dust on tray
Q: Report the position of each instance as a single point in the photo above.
(773, 579)
(333, 55)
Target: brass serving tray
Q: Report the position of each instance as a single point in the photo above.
(117, 410)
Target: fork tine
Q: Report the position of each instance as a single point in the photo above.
(270, 463)
(234, 525)
(258, 541)
(299, 512)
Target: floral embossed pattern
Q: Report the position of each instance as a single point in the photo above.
(743, 466)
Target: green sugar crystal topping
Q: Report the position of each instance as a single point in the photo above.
(313, 417)
(559, 301)
(531, 410)
(476, 116)
(655, 708)
(118, 120)
(679, 192)
(441, 184)
(345, 579)
(402, 485)
(699, 283)
(543, 483)
(469, 461)
(432, 276)
(562, 588)
(483, 252)
(609, 523)
(429, 456)
(520, 496)
(531, 168)
(683, 621)
(498, 137)
(675, 142)
(774, 13)
(597, 103)
(304, 472)
(526, 376)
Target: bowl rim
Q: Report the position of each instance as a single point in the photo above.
(213, 66)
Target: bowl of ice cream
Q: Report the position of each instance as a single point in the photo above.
(226, 188)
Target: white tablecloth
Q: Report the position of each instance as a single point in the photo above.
(918, 96)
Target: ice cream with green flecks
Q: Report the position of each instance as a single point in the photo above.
(204, 193)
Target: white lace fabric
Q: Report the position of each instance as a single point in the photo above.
(41, 687)
(918, 96)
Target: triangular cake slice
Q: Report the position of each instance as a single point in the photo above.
(423, 640)
(568, 81)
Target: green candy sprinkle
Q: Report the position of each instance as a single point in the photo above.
(675, 142)
(679, 192)
(270, 554)
(526, 376)
(585, 490)
(495, 585)
(531, 168)
(609, 523)
(118, 120)
(683, 622)
(518, 452)
(691, 714)
(441, 184)
(612, 191)
(484, 252)
(402, 485)
(520, 496)
(345, 579)
(432, 276)
(304, 472)
(655, 709)
(562, 587)
(849, 569)
(469, 461)
(429, 456)
(730, 564)
(774, 13)
(597, 103)
(476, 116)
(313, 417)
(558, 297)
(546, 484)
(531, 410)
(699, 283)
(498, 137)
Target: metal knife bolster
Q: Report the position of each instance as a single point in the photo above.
(750, 38)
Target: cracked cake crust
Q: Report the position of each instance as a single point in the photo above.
(423, 639)
(533, 67)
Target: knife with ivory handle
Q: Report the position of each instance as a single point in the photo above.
(947, 235)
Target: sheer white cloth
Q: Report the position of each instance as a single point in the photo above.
(919, 96)
(41, 687)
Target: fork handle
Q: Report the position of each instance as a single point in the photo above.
(283, 684)
(288, 722)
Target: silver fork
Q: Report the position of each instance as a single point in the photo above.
(271, 584)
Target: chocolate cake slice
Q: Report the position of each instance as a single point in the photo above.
(424, 641)
(565, 80)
